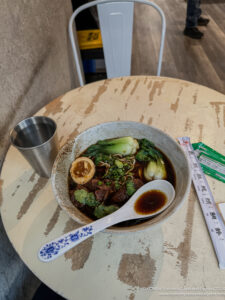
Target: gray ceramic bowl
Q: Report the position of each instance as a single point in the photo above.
(112, 130)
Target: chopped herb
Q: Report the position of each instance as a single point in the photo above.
(130, 187)
(119, 164)
(117, 185)
(100, 157)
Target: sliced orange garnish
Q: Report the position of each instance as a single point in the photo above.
(82, 170)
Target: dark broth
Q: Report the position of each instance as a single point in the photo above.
(150, 202)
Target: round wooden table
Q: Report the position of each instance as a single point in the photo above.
(176, 257)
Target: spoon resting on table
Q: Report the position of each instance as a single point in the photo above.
(138, 206)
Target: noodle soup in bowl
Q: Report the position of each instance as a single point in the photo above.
(172, 153)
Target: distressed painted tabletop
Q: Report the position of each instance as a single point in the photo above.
(176, 257)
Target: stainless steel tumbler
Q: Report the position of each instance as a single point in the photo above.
(36, 139)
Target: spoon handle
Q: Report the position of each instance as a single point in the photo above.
(60, 245)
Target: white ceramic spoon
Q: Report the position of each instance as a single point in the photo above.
(59, 246)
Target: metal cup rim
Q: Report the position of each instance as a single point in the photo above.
(38, 146)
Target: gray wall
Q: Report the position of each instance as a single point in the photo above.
(35, 67)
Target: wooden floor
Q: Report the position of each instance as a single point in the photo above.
(200, 61)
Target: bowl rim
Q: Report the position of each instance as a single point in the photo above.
(133, 228)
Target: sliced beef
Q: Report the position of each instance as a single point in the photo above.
(81, 187)
(120, 196)
(101, 195)
(105, 187)
(92, 185)
(137, 183)
(110, 184)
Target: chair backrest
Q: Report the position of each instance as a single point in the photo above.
(116, 25)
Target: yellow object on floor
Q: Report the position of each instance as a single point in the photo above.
(89, 39)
